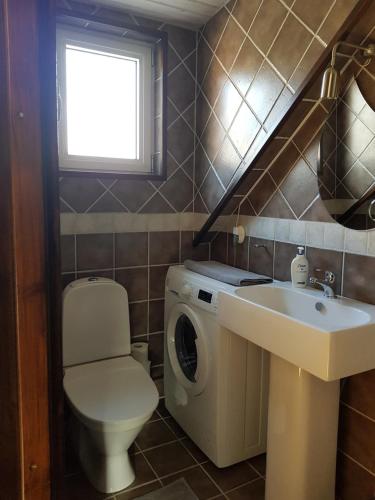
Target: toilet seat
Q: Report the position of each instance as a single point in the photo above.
(111, 395)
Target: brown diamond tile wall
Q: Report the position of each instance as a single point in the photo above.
(84, 194)
(256, 53)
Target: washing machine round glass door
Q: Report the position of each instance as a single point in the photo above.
(187, 348)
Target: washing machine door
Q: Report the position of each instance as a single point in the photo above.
(187, 348)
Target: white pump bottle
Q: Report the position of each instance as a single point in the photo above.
(299, 269)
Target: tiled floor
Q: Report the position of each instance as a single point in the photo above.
(162, 454)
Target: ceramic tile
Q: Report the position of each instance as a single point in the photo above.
(314, 235)
(169, 459)
(333, 236)
(297, 232)
(356, 241)
(230, 477)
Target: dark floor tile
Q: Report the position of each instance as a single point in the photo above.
(169, 458)
(230, 477)
(162, 410)
(71, 462)
(176, 429)
(77, 487)
(154, 416)
(251, 491)
(154, 434)
(143, 472)
(198, 481)
(259, 463)
(137, 492)
(197, 453)
(159, 382)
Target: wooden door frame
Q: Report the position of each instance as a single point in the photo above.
(30, 317)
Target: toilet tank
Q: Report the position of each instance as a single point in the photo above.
(95, 321)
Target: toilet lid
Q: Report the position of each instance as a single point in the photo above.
(112, 391)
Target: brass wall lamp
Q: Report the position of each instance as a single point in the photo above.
(331, 77)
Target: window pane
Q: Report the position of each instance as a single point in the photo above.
(102, 104)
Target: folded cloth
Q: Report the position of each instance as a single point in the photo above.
(226, 274)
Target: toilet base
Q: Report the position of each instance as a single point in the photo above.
(107, 473)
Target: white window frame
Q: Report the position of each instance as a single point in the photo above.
(124, 47)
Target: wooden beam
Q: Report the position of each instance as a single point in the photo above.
(23, 297)
(10, 423)
(310, 79)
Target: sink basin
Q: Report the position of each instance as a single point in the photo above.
(330, 315)
(329, 338)
(313, 341)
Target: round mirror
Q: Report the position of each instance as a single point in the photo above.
(346, 165)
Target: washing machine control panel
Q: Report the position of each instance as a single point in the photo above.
(199, 296)
(194, 292)
(205, 296)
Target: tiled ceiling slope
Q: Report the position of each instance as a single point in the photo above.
(85, 194)
(189, 13)
(286, 176)
(252, 56)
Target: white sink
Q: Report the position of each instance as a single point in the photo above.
(330, 338)
(313, 341)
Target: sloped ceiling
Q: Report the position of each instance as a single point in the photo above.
(189, 13)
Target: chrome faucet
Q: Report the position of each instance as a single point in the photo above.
(329, 279)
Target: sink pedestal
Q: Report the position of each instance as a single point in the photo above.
(302, 434)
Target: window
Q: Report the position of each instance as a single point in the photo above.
(105, 90)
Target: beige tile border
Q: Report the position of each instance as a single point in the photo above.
(326, 235)
(111, 222)
(330, 236)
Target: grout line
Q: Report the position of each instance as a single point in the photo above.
(283, 148)
(259, 478)
(357, 411)
(343, 272)
(356, 462)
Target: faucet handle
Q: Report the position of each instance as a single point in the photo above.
(329, 276)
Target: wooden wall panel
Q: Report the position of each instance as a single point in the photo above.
(23, 288)
(10, 456)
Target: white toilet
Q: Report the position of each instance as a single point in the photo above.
(111, 394)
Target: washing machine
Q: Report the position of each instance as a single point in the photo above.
(216, 383)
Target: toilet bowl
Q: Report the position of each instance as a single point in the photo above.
(111, 398)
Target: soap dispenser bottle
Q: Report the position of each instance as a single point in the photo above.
(299, 269)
